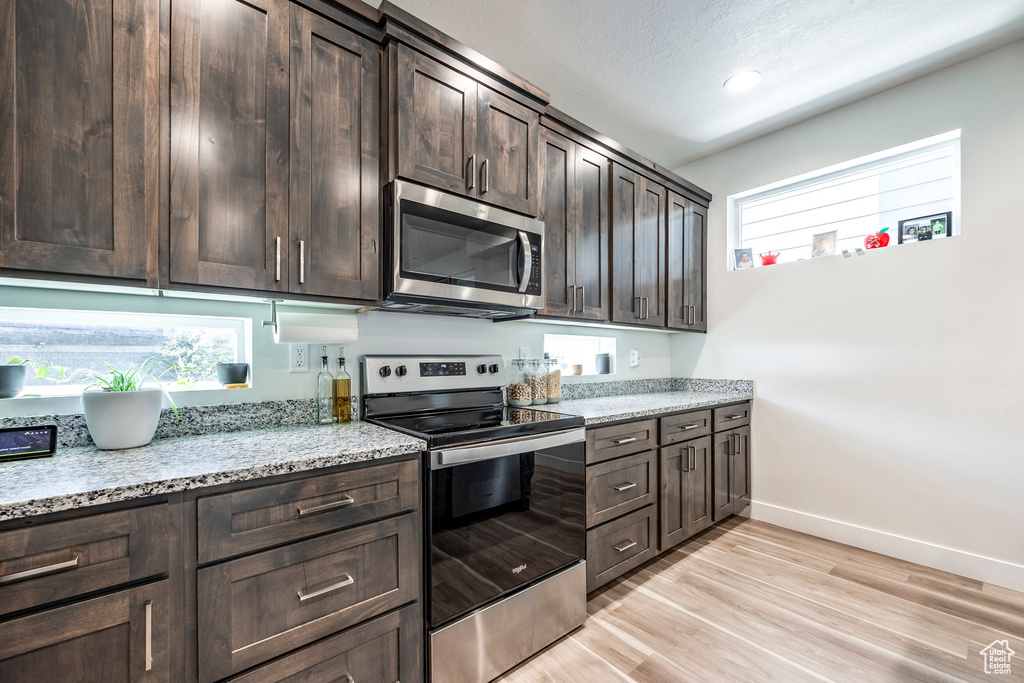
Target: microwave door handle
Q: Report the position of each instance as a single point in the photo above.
(524, 262)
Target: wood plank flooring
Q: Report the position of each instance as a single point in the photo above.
(749, 601)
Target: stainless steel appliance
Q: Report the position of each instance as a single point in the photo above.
(504, 508)
(450, 255)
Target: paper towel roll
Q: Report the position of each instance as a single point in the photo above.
(315, 328)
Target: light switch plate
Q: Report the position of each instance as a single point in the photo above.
(298, 358)
(634, 358)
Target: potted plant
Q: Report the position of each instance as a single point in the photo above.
(120, 411)
(14, 373)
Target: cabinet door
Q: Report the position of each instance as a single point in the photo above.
(686, 260)
(435, 114)
(335, 123)
(556, 210)
(122, 637)
(739, 482)
(509, 140)
(698, 487)
(685, 503)
(79, 136)
(721, 477)
(590, 232)
(649, 253)
(229, 143)
(627, 191)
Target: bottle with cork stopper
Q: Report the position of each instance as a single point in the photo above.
(342, 391)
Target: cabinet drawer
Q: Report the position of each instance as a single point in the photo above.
(385, 649)
(732, 416)
(235, 523)
(619, 486)
(676, 428)
(605, 443)
(51, 562)
(620, 545)
(256, 608)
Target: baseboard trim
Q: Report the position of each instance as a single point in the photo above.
(987, 569)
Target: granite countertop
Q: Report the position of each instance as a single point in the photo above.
(635, 406)
(84, 476)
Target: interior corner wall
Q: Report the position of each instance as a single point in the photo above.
(889, 407)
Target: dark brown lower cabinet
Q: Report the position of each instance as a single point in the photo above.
(685, 501)
(123, 636)
(620, 545)
(731, 473)
(385, 649)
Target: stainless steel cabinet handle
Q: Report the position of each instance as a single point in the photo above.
(485, 170)
(693, 457)
(149, 635)
(625, 546)
(639, 308)
(347, 581)
(738, 444)
(647, 310)
(734, 417)
(628, 439)
(472, 172)
(583, 298)
(572, 297)
(349, 679)
(277, 252)
(625, 487)
(685, 465)
(40, 571)
(692, 425)
(347, 500)
(302, 262)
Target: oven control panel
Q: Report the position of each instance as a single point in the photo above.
(392, 374)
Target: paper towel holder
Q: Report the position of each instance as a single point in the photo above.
(273, 313)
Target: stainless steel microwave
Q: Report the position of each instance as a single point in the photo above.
(451, 255)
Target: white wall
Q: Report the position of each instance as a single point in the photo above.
(379, 333)
(890, 410)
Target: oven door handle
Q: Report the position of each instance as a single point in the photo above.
(524, 261)
(500, 449)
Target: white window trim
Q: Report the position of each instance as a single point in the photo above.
(838, 170)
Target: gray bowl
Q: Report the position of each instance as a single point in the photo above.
(232, 373)
(12, 380)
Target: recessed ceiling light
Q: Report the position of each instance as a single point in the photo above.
(742, 80)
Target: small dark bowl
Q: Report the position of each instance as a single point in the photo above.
(232, 373)
(12, 380)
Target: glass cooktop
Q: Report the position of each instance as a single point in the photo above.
(480, 424)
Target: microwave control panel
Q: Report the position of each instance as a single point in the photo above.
(534, 286)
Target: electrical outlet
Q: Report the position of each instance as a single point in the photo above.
(634, 358)
(298, 358)
(524, 351)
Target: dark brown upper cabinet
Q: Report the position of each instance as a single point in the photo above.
(687, 264)
(334, 205)
(79, 136)
(456, 134)
(575, 210)
(638, 249)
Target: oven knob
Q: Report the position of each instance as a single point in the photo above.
(400, 371)
(385, 371)
(494, 368)
(481, 369)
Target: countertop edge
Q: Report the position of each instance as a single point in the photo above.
(639, 413)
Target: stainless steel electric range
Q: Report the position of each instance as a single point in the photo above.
(504, 510)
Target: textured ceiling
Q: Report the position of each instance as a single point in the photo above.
(649, 73)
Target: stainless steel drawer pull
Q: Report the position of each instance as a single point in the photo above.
(734, 417)
(625, 487)
(628, 439)
(347, 500)
(349, 679)
(40, 571)
(692, 425)
(347, 581)
(149, 635)
(625, 546)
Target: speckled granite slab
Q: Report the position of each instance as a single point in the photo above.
(79, 477)
(577, 390)
(194, 420)
(636, 406)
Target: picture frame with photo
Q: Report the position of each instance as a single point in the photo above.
(744, 258)
(824, 243)
(924, 228)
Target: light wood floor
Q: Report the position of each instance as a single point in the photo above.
(749, 601)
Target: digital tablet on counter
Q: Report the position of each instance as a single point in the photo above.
(22, 443)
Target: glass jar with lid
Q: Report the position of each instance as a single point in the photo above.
(520, 394)
(538, 372)
(554, 380)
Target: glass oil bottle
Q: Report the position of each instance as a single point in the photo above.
(324, 393)
(342, 392)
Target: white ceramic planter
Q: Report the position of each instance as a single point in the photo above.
(122, 419)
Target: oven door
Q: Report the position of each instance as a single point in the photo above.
(502, 516)
(450, 248)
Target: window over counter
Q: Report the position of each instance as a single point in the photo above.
(581, 354)
(183, 349)
(910, 193)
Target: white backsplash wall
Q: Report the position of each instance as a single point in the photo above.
(378, 333)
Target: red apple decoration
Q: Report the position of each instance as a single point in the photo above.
(877, 239)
